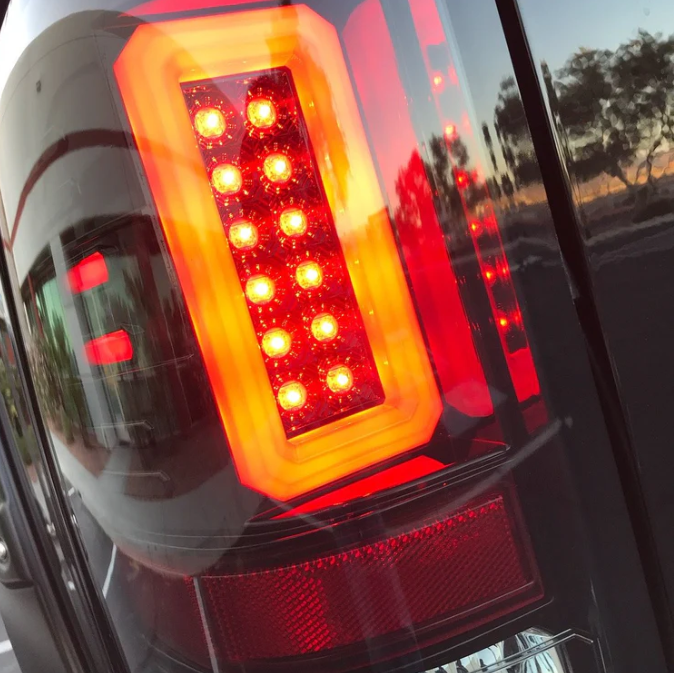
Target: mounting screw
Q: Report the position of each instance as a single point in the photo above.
(4, 551)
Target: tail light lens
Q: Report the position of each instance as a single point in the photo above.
(442, 569)
(278, 346)
(293, 423)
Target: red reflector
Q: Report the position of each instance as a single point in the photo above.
(89, 273)
(109, 348)
(170, 604)
(444, 570)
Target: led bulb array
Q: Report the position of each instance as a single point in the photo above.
(254, 143)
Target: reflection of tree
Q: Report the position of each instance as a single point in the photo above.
(415, 192)
(510, 123)
(57, 382)
(430, 184)
(614, 109)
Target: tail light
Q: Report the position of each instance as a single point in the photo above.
(283, 339)
(311, 411)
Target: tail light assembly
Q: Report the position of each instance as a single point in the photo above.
(290, 375)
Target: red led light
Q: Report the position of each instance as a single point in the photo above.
(109, 349)
(453, 566)
(277, 167)
(291, 56)
(283, 282)
(89, 273)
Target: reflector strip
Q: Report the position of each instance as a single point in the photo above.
(151, 71)
(447, 569)
(91, 272)
(109, 349)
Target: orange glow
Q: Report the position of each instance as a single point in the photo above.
(340, 379)
(438, 82)
(261, 113)
(260, 289)
(293, 222)
(244, 235)
(276, 343)
(226, 179)
(309, 275)
(503, 322)
(324, 327)
(432, 279)
(292, 395)
(489, 275)
(156, 60)
(474, 227)
(278, 168)
(210, 123)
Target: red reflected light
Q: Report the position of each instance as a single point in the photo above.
(432, 37)
(87, 274)
(453, 77)
(109, 349)
(451, 132)
(422, 240)
(462, 179)
(450, 567)
(404, 473)
(169, 6)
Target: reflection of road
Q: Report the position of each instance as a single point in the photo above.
(8, 662)
(191, 520)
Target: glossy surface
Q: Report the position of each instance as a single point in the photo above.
(169, 528)
(271, 452)
(610, 97)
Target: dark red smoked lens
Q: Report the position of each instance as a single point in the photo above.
(449, 567)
